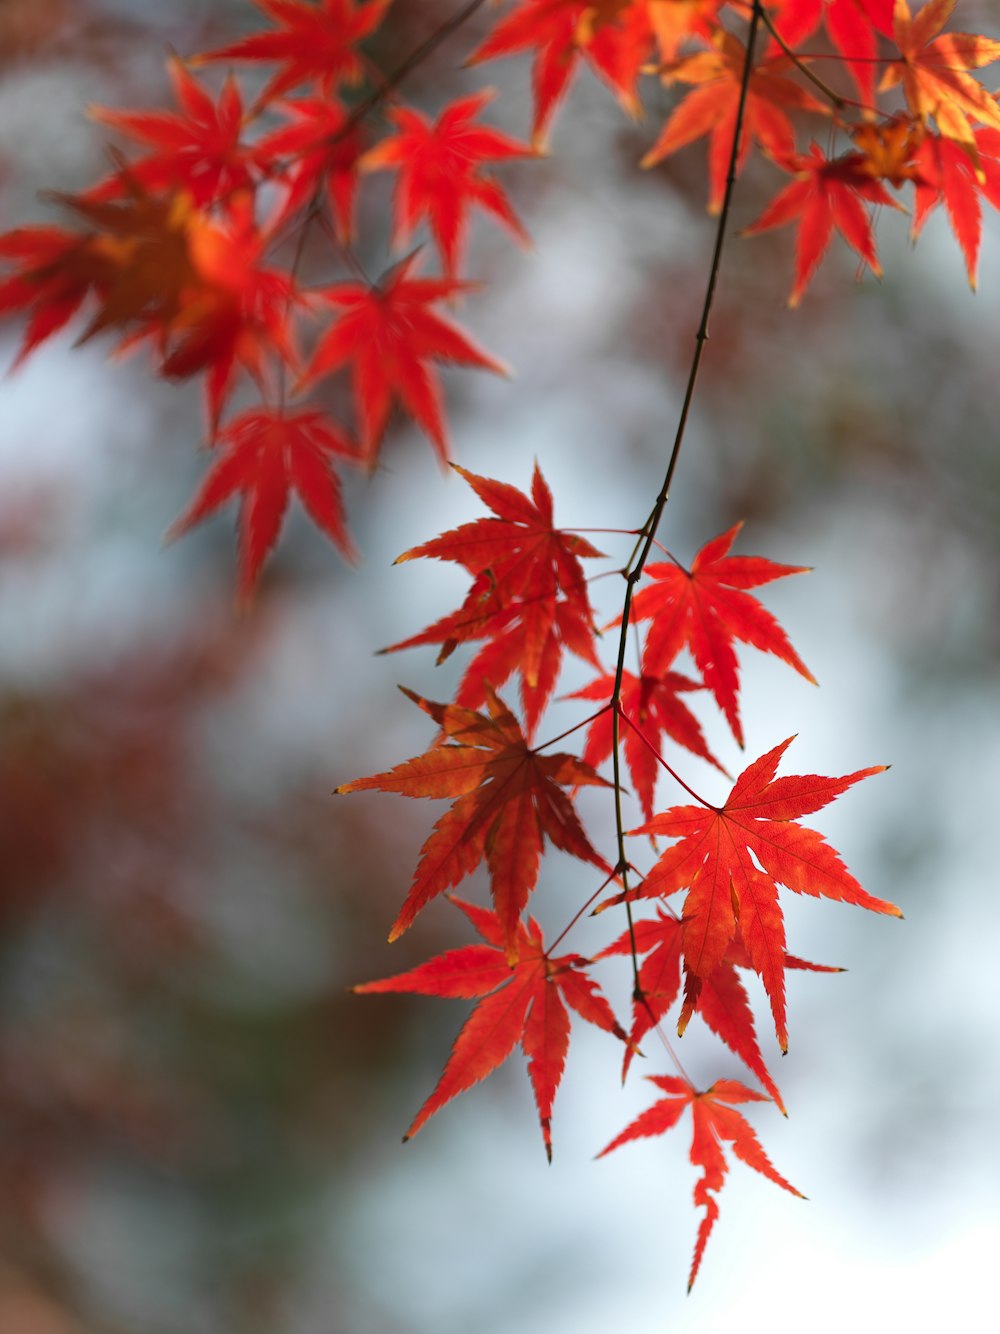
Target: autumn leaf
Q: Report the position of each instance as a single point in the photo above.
(322, 146)
(522, 1002)
(163, 272)
(654, 708)
(677, 21)
(889, 149)
(197, 148)
(722, 1001)
(264, 455)
(933, 71)
(718, 856)
(528, 597)
(508, 798)
(716, 1122)
(613, 36)
(851, 25)
(947, 175)
(706, 609)
(826, 194)
(391, 336)
(711, 107)
(238, 315)
(440, 173)
(310, 42)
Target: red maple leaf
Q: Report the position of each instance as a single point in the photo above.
(161, 271)
(441, 173)
(722, 1000)
(528, 597)
(711, 108)
(322, 145)
(197, 148)
(391, 336)
(706, 609)
(264, 455)
(655, 709)
(613, 36)
(933, 71)
(310, 41)
(826, 194)
(523, 1002)
(850, 24)
(946, 175)
(715, 1124)
(238, 315)
(508, 798)
(717, 859)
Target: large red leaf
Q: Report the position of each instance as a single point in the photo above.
(528, 597)
(826, 194)
(522, 1002)
(390, 336)
(717, 858)
(614, 37)
(706, 609)
(309, 42)
(508, 798)
(264, 455)
(440, 174)
(722, 1001)
(654, 709)
(715, 1124)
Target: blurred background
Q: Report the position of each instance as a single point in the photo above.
(199, 1125)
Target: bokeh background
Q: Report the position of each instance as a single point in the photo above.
(199, 1125)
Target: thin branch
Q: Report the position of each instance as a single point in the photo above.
(648, 532)
(838, 101)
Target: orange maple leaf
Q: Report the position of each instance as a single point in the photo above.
(523, 1002)
(934, 72)
(717, 856)
(711, 108)
(715, 1124)
(161, 271)
(508, 798)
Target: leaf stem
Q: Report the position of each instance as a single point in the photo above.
(838, 101)
(647, 535)
(570, 730)
(577, 915)
(659, 758)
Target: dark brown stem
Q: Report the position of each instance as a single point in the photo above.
(637, 563)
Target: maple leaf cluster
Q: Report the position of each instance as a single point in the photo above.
(508, 797)
(192, 247)
(185, 246)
